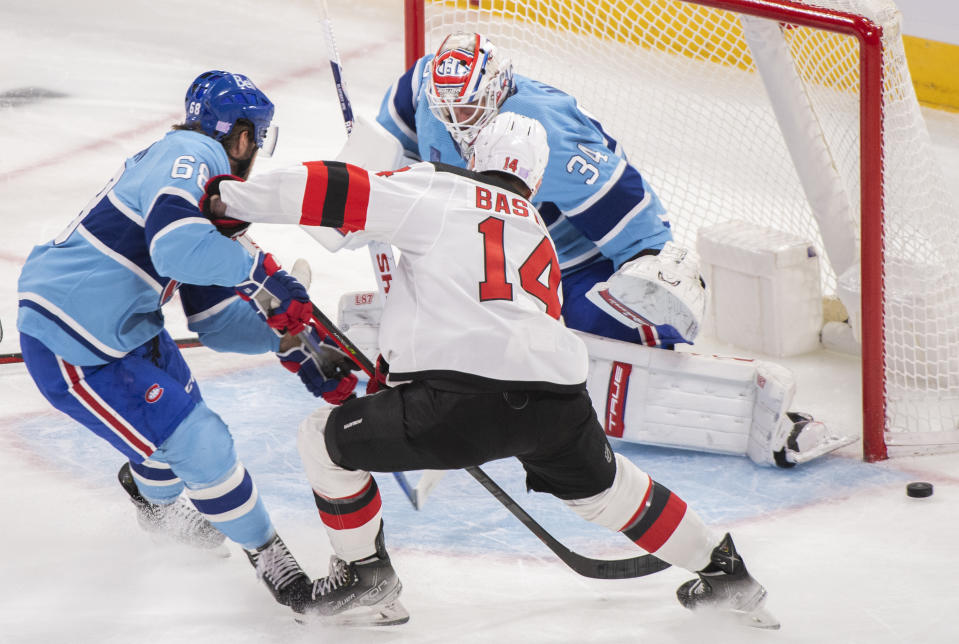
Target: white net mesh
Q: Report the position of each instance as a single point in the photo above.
(677, 85)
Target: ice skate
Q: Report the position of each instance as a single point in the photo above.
(807, 439)
(277, 568)
(360, 593)
(179, 521)
(725, 586)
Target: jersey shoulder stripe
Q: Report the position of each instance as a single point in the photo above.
(336, 195)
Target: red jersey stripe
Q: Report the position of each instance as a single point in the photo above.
(105, 414)
(357, 200)
(314, 195)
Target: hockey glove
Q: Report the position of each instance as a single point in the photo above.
(326, 373)
(267, 281)
(216, 212)
(378, 379)
(663, 290)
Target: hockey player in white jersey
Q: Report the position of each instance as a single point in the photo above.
(624, 282)
(480, 367)
(92, 335)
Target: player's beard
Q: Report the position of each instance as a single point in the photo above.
(242, 167)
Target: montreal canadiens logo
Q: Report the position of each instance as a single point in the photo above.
(154, 393)
(450, 67)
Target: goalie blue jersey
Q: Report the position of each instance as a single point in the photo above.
(596, 205)
(95, 292)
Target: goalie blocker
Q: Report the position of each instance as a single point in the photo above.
(672, 399)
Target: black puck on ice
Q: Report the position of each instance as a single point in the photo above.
(919, 489)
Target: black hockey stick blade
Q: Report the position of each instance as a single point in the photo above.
(639, 566)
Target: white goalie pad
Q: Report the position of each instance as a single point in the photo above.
(358, 315)
(688, 400)
(656, 289)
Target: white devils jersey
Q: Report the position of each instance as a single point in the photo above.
(476, 294)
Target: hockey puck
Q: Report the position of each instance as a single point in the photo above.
(919, 489)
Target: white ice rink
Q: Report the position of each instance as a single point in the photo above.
(845, 555)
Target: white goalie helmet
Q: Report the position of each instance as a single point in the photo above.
(513, 144)
(468, 82)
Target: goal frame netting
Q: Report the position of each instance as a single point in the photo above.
(871, 63)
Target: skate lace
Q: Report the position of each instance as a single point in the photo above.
(181, 521)
(339, 577)
(277, 565)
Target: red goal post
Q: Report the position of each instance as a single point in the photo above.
(645, 35)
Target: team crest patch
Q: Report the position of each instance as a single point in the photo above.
(154, 393)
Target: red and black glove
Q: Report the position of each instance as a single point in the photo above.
(378, 379)
(227, 226)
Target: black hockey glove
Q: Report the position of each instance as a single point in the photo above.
(227, 226)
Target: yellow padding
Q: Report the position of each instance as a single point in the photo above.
(934, 67)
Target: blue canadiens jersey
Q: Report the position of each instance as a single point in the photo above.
(596, 205)
(95, 292)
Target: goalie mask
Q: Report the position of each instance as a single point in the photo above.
(468, 83)
(217, 100)
(513, 144)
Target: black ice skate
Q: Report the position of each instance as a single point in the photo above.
(360, 593)
(277, 568)
(179, 521)
(725, 585)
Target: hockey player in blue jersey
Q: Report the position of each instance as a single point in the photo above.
(625, 283)
(92, 334)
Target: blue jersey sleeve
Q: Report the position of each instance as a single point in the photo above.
(398, 109)
(224, 322)
(165, 185)
(592, 188)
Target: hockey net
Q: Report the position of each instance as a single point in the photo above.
(795, 115)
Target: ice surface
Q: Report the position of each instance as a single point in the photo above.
(846, 556)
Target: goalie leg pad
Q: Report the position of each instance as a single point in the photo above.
(358, 315)
(688, 400)
(348, 500)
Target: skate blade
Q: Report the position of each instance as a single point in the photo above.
(390, 614)
(758, 618)
(831, 444)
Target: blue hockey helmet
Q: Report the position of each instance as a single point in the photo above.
(218, 99)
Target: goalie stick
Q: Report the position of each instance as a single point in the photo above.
(638, 566)
(381, 254)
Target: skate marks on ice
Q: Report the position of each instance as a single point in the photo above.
(263, 408)
(27, 95)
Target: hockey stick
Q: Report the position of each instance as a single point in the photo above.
(639, 566)
(183, 343)
(381, 254)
